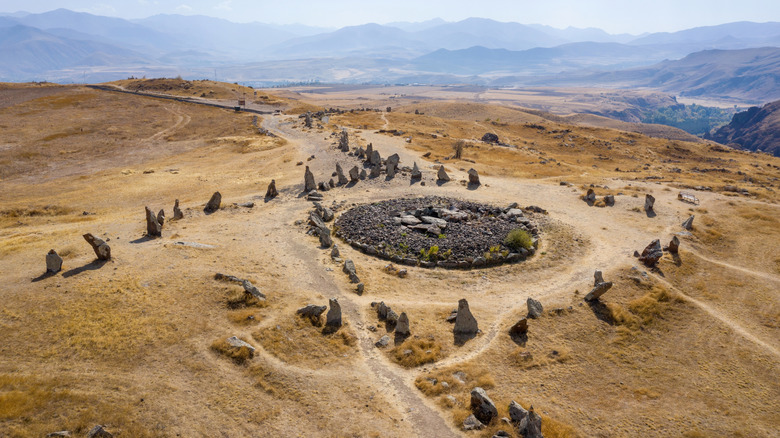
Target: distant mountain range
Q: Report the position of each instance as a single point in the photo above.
(65, 46)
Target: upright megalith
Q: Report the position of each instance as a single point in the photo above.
(307, 119)
(652, 253)
(528, 423)
(342, 179)
(333, 318)
(465, 323)
(590, 196)
(535, 308)
(53, 262)
(442, 175)
(473, 177)
(177, 213)
(354, 174)
(375, 159)
(344, 141)
(402, 326)
(308, 181)
(153, 225)
(271, 192)
(375, 172)
(649, 203)
(349, 269)
(482, 406)
(416, 174)
(598, 277)
(369, 151)
(101, 248)
(609, 200)
(688, 223)
(214, 203)
(325, 239)
(391, 165)
(674, 245)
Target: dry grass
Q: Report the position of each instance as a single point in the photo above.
(415, 352)
(296, 341)
(239, 355)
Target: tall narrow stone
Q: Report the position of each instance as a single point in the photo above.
(354, 174)
(652, 253)
(340, 175)
(473, 177)
(375, 159)
(101, 248)
(369, 150)
(344, 141)
(535, 308)
(688, 223)
(416, 174)
(465, 323)
(325, 240)
(392, 164)
(271, 192)
(153, 227)
(597, 278)
(308, 180)
(649, 202)
(333, 318)
(674, 245)
(177, 213)
(53, 262)
(402, 326)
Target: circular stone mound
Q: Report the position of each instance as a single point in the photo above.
(436, 231)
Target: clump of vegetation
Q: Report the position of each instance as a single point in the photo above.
(238, 354)
(518, 238)
(433, 254)
(458, 147)
(694, 119)
(415, 352)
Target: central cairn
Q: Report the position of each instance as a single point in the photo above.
(439, 232)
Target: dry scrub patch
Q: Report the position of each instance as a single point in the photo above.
(297, 341)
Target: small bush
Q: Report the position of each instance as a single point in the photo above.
(459, 145)
(415, 352)
(518, 238)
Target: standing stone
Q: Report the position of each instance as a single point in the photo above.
(442, 175)
(674, 245)
(402, 326)
(369, 150)
(535, 308)
(392, 164)
(344, 141)
(375, 171)
(534, 427)
(375, 159)
(177, 214)
(482, 406)
(271, 192)
(354, 174)
(416, 174)
(361, 153)
(153, 227)
(652, 253)
(214, 203)
(325, 240)
(333, 318)
(609, 200)
(349, 269)
(649, 202)
(518, 415)
(335, 253)
(599, 290)
(363, 174)
(520, 327)
(340, 175)
(307, 120)
(101, 248)
(465, 323)
(161, 217)
(688, 223)
(473, 177)
(308, 181)
(53, 262)
(597, 278)
(590, 196)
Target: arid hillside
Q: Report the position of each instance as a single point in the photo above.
(757, 130)
(143, 345)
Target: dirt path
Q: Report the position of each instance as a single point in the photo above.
(764, 275)
(182, 119)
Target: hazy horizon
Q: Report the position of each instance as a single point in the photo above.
(613, 17)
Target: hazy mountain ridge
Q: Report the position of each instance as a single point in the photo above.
(757, 129)
(475, 50)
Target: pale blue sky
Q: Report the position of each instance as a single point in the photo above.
(614, 16)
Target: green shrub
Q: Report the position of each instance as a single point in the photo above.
(518, 238)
